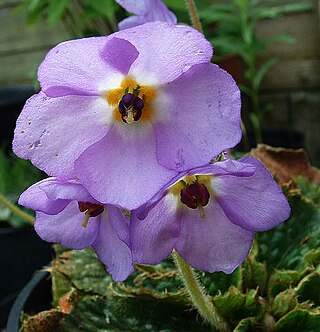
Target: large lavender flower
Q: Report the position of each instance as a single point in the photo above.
(127, 112)
(145, 11)
(209, 216)
(67, 214)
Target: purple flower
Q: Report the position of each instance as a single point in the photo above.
(127, 112)
(209, 216)
(145, 11)
(67, 214)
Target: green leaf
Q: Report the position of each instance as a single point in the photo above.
(84, 270)
(34, 10)
(107, 8)
(284, 302)
(262, 71)
(231, 303)
(264, 12)
(230, 45)
(219, 282)
(312, 257)
(247, 34)
(56, 9)
(246, 325)
(15, 176)
(95, 313)
(226, 18)
(33, 4)
(309, 288)
(286, 39)
(299, 320)
(219, 13)
(254, 274)
(282, 280)
(144, 302)
(61, 285)
(285, 246)
(4, 213)
(310, 190)
(220, 7)
(246, 90)
(89, 314)
(295, 7)
(274, 11)
(234, 305)
(176, 4)
(255, 119)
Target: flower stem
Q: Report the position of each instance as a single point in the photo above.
(17, 211)
(192, 9)
(245, 138)
(197, 295)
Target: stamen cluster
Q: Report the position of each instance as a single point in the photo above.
(195, 195)
(130, 108)
(92, 210)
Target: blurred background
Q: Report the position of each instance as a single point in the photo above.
(272, 49)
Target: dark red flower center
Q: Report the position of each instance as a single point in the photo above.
(130, 108)
(195, 195)
(92, 210)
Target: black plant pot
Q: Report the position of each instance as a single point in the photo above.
(284, 138)
(34, 298)
(21, 253)
(12, 100)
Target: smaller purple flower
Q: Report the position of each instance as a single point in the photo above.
(145, 11)
(68, 215)
(209, 215)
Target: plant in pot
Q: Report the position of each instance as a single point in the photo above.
(274, 289)
(144, 188)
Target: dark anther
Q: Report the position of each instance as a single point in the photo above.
(195, 195)
(126, 102)
(93, 210)
(130, 108)
(187, 198)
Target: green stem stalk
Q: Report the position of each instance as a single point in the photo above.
(245, 138)
(256, 109)
(192, 9)
(17, 211)
(199, 299)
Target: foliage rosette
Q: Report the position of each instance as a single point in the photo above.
(274, 289)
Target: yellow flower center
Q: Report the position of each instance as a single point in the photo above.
(188, 180)
(130, 85)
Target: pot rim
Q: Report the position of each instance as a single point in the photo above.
(13, 323)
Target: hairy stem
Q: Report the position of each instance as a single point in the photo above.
(197, 295)
(17, 211)
(192, 9)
